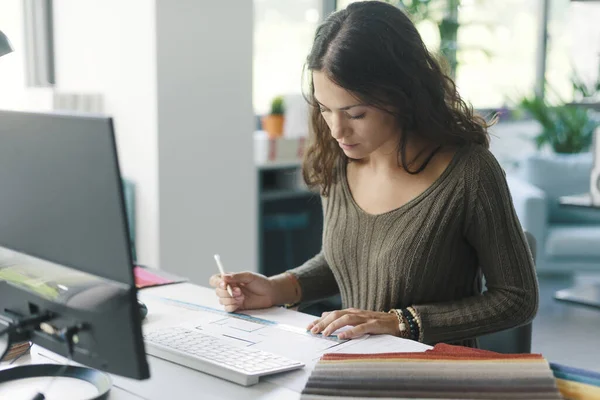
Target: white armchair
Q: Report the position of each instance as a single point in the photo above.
(568, 239)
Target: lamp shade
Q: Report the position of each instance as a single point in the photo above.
(5, 46)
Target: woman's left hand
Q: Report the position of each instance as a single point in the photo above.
(364, 322)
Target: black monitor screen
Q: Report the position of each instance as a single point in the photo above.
(59, 196)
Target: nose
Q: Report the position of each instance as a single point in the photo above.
(337, 127)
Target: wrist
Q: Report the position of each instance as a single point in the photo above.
(285, 289)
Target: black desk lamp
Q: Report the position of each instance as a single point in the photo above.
(5, 46)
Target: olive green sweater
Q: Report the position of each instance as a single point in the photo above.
(430, 254)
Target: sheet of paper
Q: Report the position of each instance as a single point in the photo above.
(385, 344)
(296, 380)
(283, 316)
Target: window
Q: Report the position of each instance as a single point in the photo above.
(573, 46)
(498, 44)
(497, 47)
(341, 4)
(427, 29)
(283, 34)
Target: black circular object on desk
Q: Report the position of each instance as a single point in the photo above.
(99, 379)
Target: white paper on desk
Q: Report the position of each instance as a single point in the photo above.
(283, 316)
(296, 380)
(385, 344)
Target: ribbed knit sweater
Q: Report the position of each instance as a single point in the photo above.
(431, 253)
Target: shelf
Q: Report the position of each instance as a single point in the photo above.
(284, 194)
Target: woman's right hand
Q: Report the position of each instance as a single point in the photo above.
(250, 291)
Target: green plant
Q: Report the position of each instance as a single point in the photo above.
(584, 90)
(566, 128)
(277, 106)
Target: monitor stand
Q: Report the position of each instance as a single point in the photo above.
(16, 331)
(49, 376)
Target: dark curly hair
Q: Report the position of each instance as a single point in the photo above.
(373, 50)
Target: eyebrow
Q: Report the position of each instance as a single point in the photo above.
(342, 108)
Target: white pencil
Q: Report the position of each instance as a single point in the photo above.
(222, 271)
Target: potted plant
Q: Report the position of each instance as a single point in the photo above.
(566, 128)
(273, 122)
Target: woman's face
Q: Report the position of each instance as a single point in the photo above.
(360, 130)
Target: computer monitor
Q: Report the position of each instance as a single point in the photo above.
(66, 270)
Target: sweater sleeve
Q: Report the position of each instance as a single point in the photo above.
(493, 230)
(315, 277)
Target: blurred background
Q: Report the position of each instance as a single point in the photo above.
(211, 125)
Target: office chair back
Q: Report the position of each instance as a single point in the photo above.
(515, 340)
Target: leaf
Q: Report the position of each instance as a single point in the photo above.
(540, 140)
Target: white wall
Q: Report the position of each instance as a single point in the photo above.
(205, 124)
(109, 47)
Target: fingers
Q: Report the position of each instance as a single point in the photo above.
(360, 330)
(217, 282)
(220, 283)
(214, 280)
(317, 325)
(328, 318)
(235, 291)
(345, 320)
(229, 301)
(221, 292)
(363, 322)
(230, 304)
(240, 278)
(316, 321)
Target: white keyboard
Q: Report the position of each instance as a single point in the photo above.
(215, 356)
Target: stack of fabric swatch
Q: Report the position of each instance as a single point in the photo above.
(444, 372)
(575, 383)
(17, 350)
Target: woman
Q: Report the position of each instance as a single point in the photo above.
(416, 208)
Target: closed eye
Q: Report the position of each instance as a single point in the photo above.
(360, 116)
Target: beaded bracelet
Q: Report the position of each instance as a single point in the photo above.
(419, 324)
(404, 333)
(412, 324)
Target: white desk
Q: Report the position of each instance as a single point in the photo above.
(172, 381)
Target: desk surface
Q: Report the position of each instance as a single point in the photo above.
(583, 295)
(173, 381)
